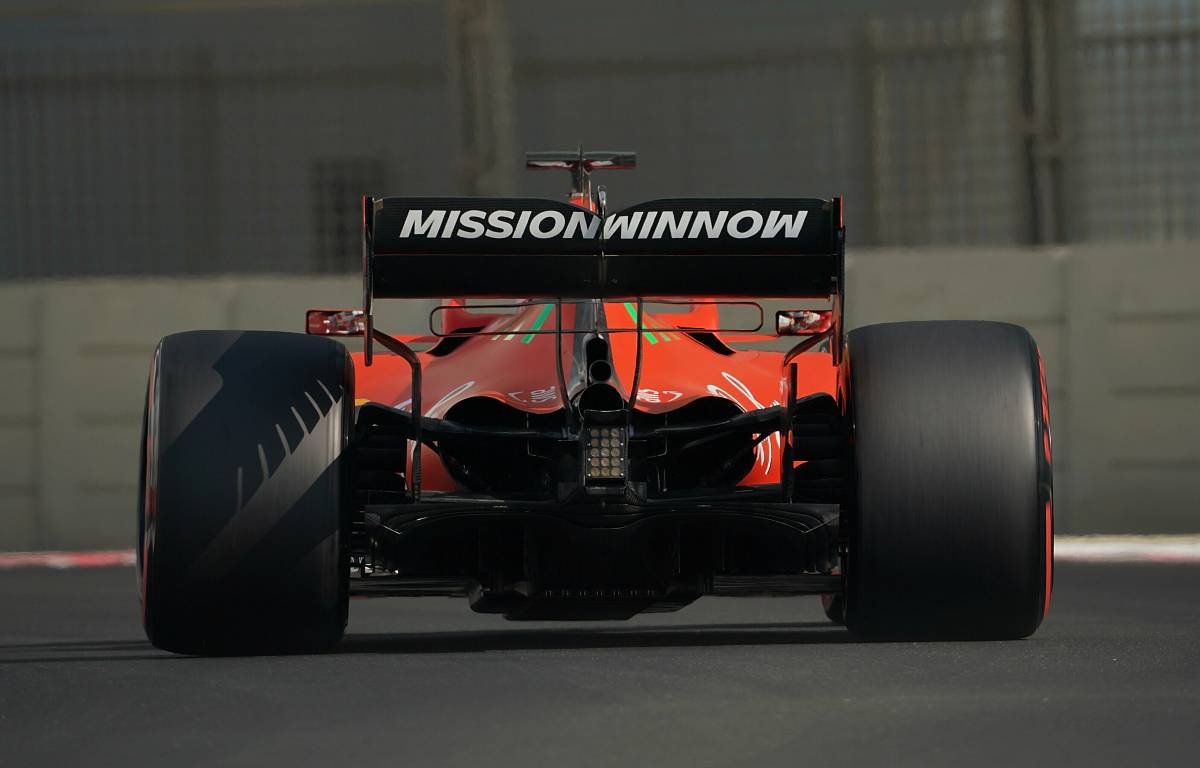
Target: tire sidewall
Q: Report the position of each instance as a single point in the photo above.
(217, 582)
(930, 561)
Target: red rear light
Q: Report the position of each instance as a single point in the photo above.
(336, 322)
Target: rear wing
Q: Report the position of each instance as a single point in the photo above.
(521, 247)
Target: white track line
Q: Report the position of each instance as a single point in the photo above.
(1076, 549)
(60, 560)
(1127, 549)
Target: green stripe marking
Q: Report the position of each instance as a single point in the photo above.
(516, 329)
(633, 316)
(537, 324)
(654, 323)
(504, 326)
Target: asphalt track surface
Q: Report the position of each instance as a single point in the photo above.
(1112, 678)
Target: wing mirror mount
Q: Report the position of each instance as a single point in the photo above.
(336, 322)
(803, 322)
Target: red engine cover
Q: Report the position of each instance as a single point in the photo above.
(506, 362)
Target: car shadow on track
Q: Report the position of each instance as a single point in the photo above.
(468, 641)
(58, 652)
(682, 636)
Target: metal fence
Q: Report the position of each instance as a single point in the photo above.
(211, 137)
(1137, 96)
(945, 164)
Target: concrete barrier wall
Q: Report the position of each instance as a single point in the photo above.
(1119, 327)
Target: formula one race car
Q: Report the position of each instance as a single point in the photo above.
(581, 438)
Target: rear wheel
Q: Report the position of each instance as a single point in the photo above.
(950, 528)
(243, 515)
(834, 605)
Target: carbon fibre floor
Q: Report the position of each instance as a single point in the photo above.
(1113, 678)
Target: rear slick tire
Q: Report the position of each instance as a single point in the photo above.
(951, 522)
(243, 512)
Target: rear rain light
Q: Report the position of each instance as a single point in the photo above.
(336, 322)
(604, 453)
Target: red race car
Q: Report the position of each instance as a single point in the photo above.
(603, 448)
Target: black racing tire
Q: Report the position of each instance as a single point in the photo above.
(951, 518)
(243, 535)
(834, 605)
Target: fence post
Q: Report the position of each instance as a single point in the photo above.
(482, 97)
(201, 160)
(1036, 26)
(1070, 179)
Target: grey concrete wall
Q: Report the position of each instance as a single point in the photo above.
(1119, 327)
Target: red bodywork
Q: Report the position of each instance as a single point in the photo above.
(505, 362)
